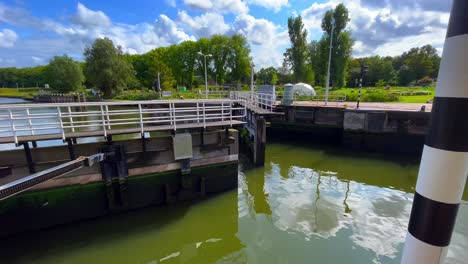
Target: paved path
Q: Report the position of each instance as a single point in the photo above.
(370, 106)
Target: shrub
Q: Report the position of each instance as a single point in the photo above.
(136, 95)
(425, 81)
(380, 84)
(380, 96)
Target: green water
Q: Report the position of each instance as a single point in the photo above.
(309, 204)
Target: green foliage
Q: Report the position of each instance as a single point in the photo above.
(380, 84)
(373, 95)
(26, 93)
(106, 67)
(182, 65)
(380, 96)
(267, 76)
(296, 55)
(24, 77)
(137, 95)
(342, 44)
(64, 74)
(425, 81)
(416, 64)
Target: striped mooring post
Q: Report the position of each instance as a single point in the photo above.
(444, 163)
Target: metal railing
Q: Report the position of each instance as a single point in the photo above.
(104, 117)
(255, 100)
(318, 99)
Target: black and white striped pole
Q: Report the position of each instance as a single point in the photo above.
(364, 70)
(359, 94)
(444, 164)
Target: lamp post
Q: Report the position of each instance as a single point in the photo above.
(329, 60)
(206, 76)
(252, 66)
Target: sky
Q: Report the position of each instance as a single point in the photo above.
(33, 31)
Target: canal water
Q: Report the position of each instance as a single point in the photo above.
(308, 204)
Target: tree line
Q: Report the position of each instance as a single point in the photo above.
(308, 62)
(108, 69)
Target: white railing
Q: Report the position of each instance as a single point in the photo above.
(67, 119)
(255, 100)
(318, 99)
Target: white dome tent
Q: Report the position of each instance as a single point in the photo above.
(298, 89)
(303, 89)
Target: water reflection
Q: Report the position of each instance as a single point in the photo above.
(317, 207)
(307, 205)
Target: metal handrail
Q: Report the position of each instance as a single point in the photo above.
(66, 118)
(255, 100)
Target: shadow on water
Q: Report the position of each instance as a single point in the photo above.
(196, 231)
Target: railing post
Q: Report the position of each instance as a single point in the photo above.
(12, 123)
(71, 119)
(230, 113)
(61, 122)
(222, 111)
(204, 117)
(103, 121)
(30, 121)
(108, 118)
(198, 114)
(141, 119)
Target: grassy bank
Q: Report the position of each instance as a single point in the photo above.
(25, 93)
(393, 95)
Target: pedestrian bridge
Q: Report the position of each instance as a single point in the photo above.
(35, 122)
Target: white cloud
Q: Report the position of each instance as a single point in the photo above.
(221, 6)
(91, 19)
(205, 25)
(7, 38)
(382, 28)
(86, 25)
(166, 28)
(267, 39)
(199, 4)
(379, 28)
(37, 60)
(275, 5)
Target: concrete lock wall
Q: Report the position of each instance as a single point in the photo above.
(379, 130)
(154, 178)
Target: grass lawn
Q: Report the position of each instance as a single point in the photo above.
(352, 92)
(26, 93)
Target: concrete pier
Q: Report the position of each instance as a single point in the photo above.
(153, 177)
(370, 130)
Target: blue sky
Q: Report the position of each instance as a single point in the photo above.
(31, 32)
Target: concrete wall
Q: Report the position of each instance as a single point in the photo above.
(376, 130)
(154, 178)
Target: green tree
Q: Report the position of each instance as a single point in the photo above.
(221, 51)
(342, 44)
(297, 54)
(420, 62)
(106, 67)
(239, 61)
(267, 76)
(156, 65)
(64, 74)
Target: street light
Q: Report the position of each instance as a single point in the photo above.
(252, 66)
(329, 60)
(206, 76)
